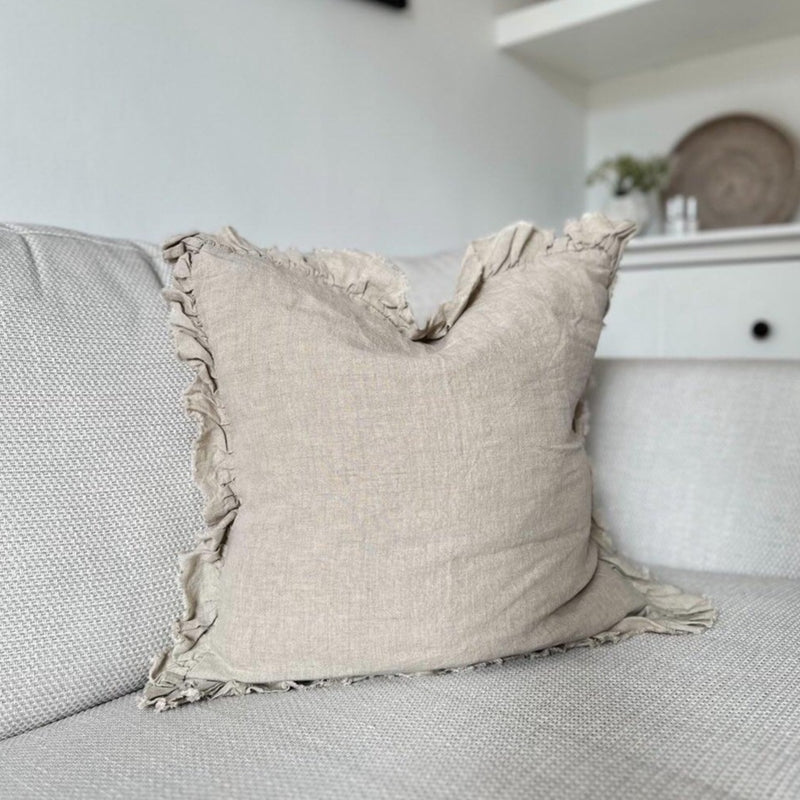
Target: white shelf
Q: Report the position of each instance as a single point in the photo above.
(590, 41)
(699, 296)
(724, 246)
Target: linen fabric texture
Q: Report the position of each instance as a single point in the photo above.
(385, 497)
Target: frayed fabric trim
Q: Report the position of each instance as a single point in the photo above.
(379, 284)
(376, 282)
(213, 473)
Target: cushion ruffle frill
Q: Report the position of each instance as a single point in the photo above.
(378, 283)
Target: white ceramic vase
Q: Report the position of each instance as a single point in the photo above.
(634, 206)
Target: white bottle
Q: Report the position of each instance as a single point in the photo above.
(676, 216)
(692, 224)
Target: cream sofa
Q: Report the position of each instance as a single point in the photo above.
(697, 471)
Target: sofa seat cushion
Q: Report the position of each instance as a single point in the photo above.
(655, 717)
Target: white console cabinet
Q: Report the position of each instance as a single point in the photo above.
(716, 294)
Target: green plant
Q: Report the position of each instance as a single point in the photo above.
(626, 173)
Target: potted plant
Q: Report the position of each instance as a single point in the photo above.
(633, 182)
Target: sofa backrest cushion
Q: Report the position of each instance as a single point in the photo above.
(96, 494)
(697, 463)
(431, 280)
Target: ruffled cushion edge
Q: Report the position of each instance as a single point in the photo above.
(378, 283)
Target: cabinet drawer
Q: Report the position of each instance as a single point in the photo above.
(705, 312)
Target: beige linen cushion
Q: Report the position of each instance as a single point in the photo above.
(388, 498)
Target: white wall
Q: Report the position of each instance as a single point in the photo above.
(649, 112)
(307, 122)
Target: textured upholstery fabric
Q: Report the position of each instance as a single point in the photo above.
(96, 495)
(385, 498)
(697, 463)
(654, 718)
(89, 536)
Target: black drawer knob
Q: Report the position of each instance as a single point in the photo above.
(760, 329)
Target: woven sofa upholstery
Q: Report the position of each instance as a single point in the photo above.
(697, 464)
(697, 472)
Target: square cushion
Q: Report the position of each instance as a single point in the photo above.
(389, 498)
